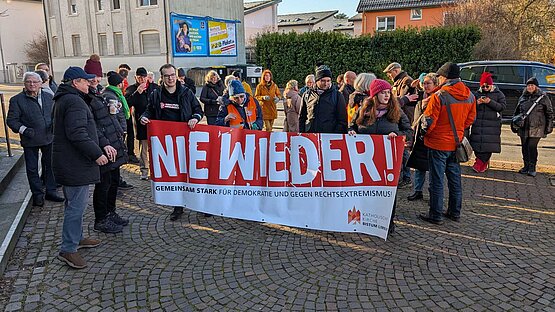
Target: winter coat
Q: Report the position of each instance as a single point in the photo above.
(401, 87)
(25, 111)
(355, 101)
(139, 102)
(439, 134)
(209, 95)
(323, 113)
(108, 129)
(382, 125)
(540, 121)
(190, 106)
(75, 146)
(223, 111)
(485, 134)
(346, 89)
(269, 109)
(292, 109)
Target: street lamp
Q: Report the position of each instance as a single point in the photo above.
(3, 14)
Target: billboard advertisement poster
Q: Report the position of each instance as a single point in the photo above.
(189, 35)
(222, 38)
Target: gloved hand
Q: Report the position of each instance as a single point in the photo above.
(29, 132)
(276, 99)
(266, 98)
(254, 127)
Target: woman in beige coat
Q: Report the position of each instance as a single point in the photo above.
(267, 93)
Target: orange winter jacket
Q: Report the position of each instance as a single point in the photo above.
(439, 135)
(269, 109)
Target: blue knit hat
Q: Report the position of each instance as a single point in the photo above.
(235, 87)
(421, 77)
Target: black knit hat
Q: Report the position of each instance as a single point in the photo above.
(321, 72)
(449, 70)
(114, 78)
(533, 81)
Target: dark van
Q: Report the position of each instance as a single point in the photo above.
(510, 77)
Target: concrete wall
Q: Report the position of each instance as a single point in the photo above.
(358, 28)
(430, 17)
(15, 33)
(260, 21)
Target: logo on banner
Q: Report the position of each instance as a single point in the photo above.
(354, 216)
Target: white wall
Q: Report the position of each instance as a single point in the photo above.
(260, 21)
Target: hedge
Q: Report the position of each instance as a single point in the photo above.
(293, 56)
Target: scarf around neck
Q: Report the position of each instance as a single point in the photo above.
(122, 99)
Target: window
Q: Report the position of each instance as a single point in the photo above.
(472, 73)
(102, 44)
(545, 76)
(72, 7)
(507, 73)
(148, 2)
(118, 43)
(116, 5)
(416, 14)
(76, 43)
(54, 46)
(99, 6)
(386, 23)
(150, 42)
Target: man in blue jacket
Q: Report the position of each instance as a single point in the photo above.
(30, 116)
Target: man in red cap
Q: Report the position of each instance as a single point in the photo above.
(485, 136)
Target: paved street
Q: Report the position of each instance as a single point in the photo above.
(500, 257)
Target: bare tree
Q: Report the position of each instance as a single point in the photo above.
(36, 49)
(511, 29)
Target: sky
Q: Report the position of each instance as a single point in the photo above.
(348, 7)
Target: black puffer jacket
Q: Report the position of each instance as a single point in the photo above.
(323, 113)
(25, 111)
(139, 102)
(382, 126)
(75, 146)
(540, 121)
(109, 130)
(209, 95)
(485, 134)
(190, 106)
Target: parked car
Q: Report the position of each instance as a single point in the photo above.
(510, 77)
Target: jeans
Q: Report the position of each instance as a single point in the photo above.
(440, 163)
(105, 193)
(31, 155)
(419, 179)
(143, 158)
(74, 208)
(405, 171)
(530, 150)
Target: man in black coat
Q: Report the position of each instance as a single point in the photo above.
(30, 116)
(172, 102)
(137, 97)
(323, 107)
(76, 157)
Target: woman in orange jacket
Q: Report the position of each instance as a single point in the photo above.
(267, 93)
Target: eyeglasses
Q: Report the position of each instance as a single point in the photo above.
(168, 76)
(240, 96)
(485, 86)
(33, 82)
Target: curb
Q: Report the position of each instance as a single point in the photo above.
(8, 245)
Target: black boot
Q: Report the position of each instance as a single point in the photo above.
(532, 170)
(524, 170)
(414, 196)
(176, 214)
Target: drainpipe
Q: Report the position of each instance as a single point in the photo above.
(167, 38)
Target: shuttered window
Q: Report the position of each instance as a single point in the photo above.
(150, 42)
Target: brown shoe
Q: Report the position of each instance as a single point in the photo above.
(73, 259)
(88, 243)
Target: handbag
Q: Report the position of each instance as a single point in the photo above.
(517, 122)
(463, 152)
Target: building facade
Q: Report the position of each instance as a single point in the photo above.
(14, 34)
(305, 22)
(260, 17)
(136, 32)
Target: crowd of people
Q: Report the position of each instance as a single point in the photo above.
(86, 131)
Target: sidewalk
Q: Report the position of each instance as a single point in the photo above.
(499, 257)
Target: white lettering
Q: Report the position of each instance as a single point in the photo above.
(196, 155)
(312, 161)
(277, 157)
(181, 154)
(166, 156)
(263, 152)
(364, 158)
(329, 155)
(245, 161)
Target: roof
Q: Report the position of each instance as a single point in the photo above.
(309, 18)
(254, 6)
(382, 5)
(355, 18)
(343, 24)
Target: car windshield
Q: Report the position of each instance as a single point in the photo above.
(545, 76)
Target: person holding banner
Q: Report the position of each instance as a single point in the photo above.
(172, 102)
(243, 110)
(381, 114)
(267, 93)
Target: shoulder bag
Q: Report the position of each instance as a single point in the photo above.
(517, 122)
(463, 151)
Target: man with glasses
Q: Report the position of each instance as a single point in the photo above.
(76, 157)
(172, 102)
(323, 108)
(243, 111)
(30, 116)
